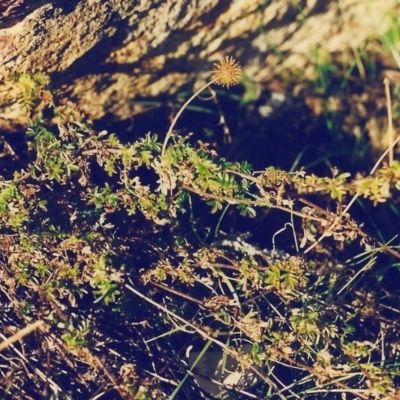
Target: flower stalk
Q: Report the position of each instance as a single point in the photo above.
(225, 73)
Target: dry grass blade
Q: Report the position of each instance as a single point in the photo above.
(390, 131)
(20, 334)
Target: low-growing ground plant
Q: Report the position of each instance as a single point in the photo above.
(105, 251)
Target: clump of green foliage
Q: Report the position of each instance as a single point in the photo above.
(32, 88)
(91, 217)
